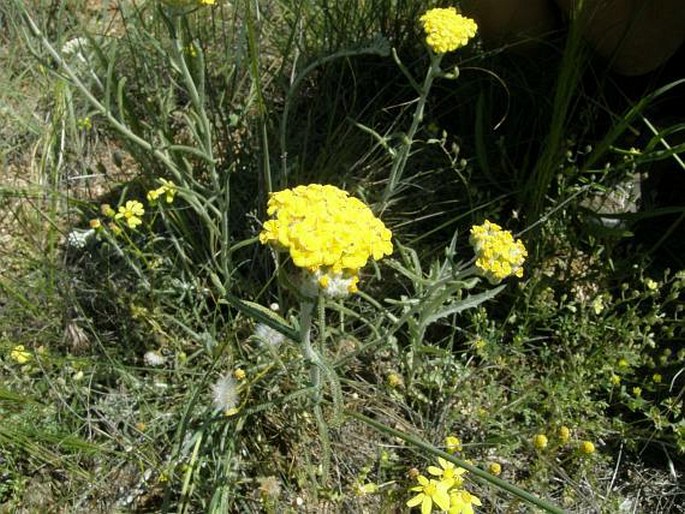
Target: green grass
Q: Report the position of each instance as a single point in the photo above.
(127, 335)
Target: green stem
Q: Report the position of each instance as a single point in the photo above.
(197, 100)
(306, 309)
(483, 475)
(97, 105)
(400, 161)
(316, 364)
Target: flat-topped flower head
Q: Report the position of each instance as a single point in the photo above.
(498, 255)
(328, 233)
(446, 30)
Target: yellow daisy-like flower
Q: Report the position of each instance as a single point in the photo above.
(20, 355)
(462, 502)
(564, 434)
(327, 233)
(430, 491)
(452, 444)
(446, 30)
(498, 255)
(448, 472)
(131, 213)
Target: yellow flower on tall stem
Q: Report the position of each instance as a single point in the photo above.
(327, 233)
(446, 30)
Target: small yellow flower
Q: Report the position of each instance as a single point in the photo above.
(430, 491)
(394, 380)
(167, 189)
(587, 447)
(153, 195)
(448, 472)
(656, 378)
(637, 391)
(239, 374)
(131, 213)
(615, 379)
(191, 50)
(564, 434)
(495, 468)
(498, 254)
(446, 30)
(20, 355)
(623, 363)
(598, 305)
(462, 502)
(540, 441)
(652, 285)
(84, 123)
(452, 444)
(95, 223)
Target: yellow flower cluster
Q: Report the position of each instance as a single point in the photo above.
(446, 30)
(446, 490)
(167, 189)
(328, 233)
(498, 255)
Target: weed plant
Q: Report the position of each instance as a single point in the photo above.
(156, 356)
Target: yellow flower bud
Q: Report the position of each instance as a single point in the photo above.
(495, 468)
(587, 447)
(540, 441)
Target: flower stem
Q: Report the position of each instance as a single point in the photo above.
(400, 161)
(316, 364)
(483, 475)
